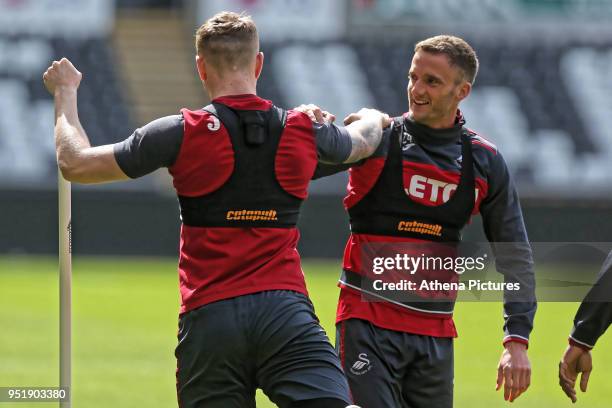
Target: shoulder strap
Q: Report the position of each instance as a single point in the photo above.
(281, 114)
(227, 116)
(253, 126)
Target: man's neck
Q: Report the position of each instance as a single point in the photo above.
(229, 87)
(447, 123)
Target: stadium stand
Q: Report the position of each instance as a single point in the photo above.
(329, 74)
(544, 105)
(428, 12)
(543, 102)
(27, 152)
(126, 83)
(543, 95)
(160, 79)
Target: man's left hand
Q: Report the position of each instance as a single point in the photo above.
(513, 371)
(574, 361)
(316, 114)
(353, 117)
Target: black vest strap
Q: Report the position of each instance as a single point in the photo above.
(409, 299)
(252, 196)
(252, 124)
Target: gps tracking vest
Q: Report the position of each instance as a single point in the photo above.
(387, 210)
(252, 196)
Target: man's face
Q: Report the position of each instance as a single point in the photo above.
(435, 89)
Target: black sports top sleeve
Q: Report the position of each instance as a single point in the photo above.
(595, 312)
(333, 143)
(503, 223)
(150, 147)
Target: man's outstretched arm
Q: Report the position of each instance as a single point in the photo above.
(364, 129)
(77, 160)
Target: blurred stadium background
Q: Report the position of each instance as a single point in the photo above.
(543, 95)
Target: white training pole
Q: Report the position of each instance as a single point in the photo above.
(65, 269)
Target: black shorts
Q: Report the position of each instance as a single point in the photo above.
(392, 369)
(269, 340)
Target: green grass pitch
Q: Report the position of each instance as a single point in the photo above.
(125, 321)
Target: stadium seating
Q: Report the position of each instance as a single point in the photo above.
(27, 152)
(546, 105)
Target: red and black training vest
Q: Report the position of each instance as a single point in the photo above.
(391, 219)
(241, 176)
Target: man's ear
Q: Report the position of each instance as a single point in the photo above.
(259, 60)
(464, 90)
(201, 68)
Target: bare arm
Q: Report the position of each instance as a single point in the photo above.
(366, 128)
(77, 160)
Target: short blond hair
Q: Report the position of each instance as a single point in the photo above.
(458, 51)
(228, 40)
